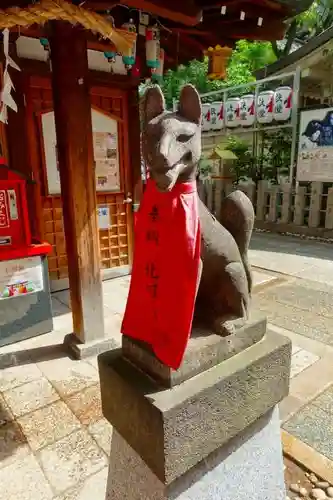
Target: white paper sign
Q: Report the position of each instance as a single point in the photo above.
(21, 277)
(106, 153)
(103, 217)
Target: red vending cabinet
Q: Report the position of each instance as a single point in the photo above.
(25, 303)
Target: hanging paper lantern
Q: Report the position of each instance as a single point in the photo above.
(152, 48)
(282, 103)
(216, 111)
(232, 112)
(265, 106)
(247, 110)
(129, 59)
(217, 62)
(158, 75)
(205, 121)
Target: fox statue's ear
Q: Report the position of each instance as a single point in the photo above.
(153, 104)
(190, 104)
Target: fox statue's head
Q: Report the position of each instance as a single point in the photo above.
(171, 142)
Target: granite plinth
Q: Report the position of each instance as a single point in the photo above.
(249, 466)
(204, 350)
(174, 429)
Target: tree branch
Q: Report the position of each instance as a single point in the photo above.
(276, 49)
(290, 36)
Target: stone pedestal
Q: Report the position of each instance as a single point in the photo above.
(213, 433)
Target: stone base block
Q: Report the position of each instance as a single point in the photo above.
(78, 350)
(248, 467)
(204, 350)
(175, 429)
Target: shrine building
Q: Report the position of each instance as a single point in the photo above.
(70, 125)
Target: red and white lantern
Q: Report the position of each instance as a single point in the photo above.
(152, 48)
(265, 106)
(206, 114)
(232, 112)
(247, 110)
(282, 103)
(129, 59)
(158, 75)
(216, 115)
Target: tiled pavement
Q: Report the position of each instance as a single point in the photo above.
(54, 441)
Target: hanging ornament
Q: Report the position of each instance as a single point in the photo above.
(152, 48)
(45, 43)
(111, 55)
(110, 18)
(129, 59)
(217, 62)
(6, 99)
(158, 75)
(136, 70)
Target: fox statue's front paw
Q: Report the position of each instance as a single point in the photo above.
(227, 325)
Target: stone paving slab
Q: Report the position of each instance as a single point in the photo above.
(313, 424)
(24, 480)
(293, 256)
(301, 306)
(313, 297)
(301, 360)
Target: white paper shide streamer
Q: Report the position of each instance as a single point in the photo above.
(6, 99)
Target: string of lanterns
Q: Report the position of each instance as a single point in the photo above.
(154, 53)
(269, 106)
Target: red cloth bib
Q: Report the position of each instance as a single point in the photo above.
(162, 293)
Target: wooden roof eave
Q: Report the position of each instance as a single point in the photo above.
(185, 12)
(54, 10)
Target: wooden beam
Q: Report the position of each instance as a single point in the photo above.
(184, 12)
(238, 4)
(190, 41)
(72, 110)
(189, 31)
(274, 30)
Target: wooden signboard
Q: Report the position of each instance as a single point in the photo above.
(105, 138)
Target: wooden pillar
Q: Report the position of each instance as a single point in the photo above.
(135, 141)
(72, 110)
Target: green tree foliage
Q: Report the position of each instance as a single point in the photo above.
(301, 28)
(269, 159)
(246, 58)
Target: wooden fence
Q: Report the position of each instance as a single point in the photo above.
(306, 210)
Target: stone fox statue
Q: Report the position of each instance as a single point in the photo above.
(172, 149)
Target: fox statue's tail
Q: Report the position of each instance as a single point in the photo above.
(237, 216)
